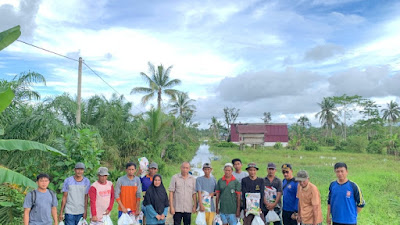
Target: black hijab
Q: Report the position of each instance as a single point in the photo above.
(156, 196)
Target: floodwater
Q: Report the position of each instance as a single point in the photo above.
(203, 155)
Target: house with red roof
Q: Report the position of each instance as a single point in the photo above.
(266, 134)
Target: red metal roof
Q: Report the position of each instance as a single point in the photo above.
(272, 132)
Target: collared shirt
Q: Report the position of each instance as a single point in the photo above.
(183, 190)
(308, 198)
(229, 191)
(274, 187)
(290, 201)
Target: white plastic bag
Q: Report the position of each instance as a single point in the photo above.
(253, 203)
(201, 218)
(81, 222)
(125, 219)
(272, 216)
(139, 218)
(238, 222)
(143, 165)
(107, 220)
(61, 223)
(217, 220)
(257, 221)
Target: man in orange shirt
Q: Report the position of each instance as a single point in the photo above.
(128, 191)
(309, 201)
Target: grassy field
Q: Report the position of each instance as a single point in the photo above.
(378, 176)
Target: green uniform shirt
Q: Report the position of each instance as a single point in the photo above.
(228, 189)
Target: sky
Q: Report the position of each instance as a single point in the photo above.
(275, 56)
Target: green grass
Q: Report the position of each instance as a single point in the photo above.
(378, 176)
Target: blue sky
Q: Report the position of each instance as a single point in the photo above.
(259, 56)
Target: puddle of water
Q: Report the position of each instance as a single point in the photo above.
(203, 155)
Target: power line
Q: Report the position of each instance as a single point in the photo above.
(84, 63)
(76, 60)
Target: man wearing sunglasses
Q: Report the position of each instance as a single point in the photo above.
(290, 201)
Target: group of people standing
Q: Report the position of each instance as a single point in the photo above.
(295, 199)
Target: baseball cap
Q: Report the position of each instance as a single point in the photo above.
(79, 165)
(302, 175)
(207, 165)
(228, 164)
(271, 166)
(103, 171)
(251, 165)
(153, 165)
(287, 166)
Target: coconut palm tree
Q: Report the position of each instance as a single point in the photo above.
(304, 122)
(181, 103)
(215, 125)
(327, 116)
(391, 114)
(158, 82)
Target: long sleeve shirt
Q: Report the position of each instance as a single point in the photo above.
(101, 198)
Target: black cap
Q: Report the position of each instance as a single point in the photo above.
(287, 166)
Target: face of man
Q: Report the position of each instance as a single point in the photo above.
(228, 171)
(185, 168)
(271, 172)
(130, 171)
(153, 171)
(252, 172)
(238, 166)
(43, 183)
(341, 173)
(304, 184)
(207, 171)
(79, 172)
(287, 174)
(102, 179)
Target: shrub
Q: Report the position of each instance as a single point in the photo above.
(357, 144)
(311, 146)
(225, 144)
(341, 146)
(278, 145)
(376, 147)
(330, 141)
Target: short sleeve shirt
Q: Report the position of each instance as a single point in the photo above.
(229, 191)
(240, 176)
(276, 184)
(76, 195)
(41, 213)
(206, 184)
(183, 190)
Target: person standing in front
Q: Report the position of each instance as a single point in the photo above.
(290, 201)
(227, 202)
(309, 201)
(345, 200)
(128, 191)
(155, 203)
(238, 173)
(101, 195)
(207, 184)
(75, 196)
(182, 195)
(41, 204)
(253, 184)
(273, 186)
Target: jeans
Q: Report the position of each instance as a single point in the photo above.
(228, 219)
(70, 219)
(186, 218)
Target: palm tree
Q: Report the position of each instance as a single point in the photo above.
(22, 85)
(181, 103)
(391, 114)
(304, 122)
(159, 83)
(215, 125)
(327, 116)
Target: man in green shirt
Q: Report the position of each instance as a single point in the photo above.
(228, 197)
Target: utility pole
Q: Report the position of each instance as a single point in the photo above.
(78, 100)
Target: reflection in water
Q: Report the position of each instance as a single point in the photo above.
(203, 155)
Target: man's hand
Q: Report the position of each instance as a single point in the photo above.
(328, 220)
(61, 216)
(94, 219)
(172, 210)
(202, 208)
(123, 209)
(107, 212)
(194, 209)
(270, 206)
(137, 213)
(158, 217)
(162, 216)
(299, 219)
(217, 211)
(238, 213)
(84, 215)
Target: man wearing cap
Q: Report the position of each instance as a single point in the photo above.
(147, 180)
(128, 191)
(253, 184)
(345, 199)
(75, 196)
(273, 186)
(309, 201)
(101, 195)
(182, 195)
(206, 184)
(228, 197)
(290, 200)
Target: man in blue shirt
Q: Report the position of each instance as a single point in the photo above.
(290, 201)
(345, 199)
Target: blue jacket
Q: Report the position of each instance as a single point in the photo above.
(150, 214)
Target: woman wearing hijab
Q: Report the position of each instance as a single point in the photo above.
(155, 204)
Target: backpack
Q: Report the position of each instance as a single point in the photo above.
(33, 197)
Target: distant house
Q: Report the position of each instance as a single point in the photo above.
(259, 133)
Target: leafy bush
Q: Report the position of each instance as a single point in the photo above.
(376, 147)
(278, 145)
(225, 144)
(311, 146)
(330, 141)
(341, 146)
(11, 200)
(357, 144)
